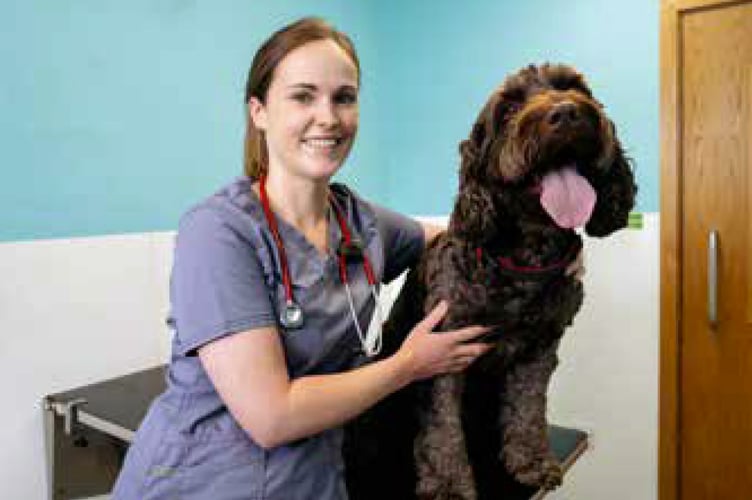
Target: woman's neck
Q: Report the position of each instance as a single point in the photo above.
(300, 202)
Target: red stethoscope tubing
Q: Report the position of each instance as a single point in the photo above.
(347, 241)
(272, 221)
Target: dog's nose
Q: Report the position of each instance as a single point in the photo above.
(563, 113)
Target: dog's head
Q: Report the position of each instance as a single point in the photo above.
(543, 149)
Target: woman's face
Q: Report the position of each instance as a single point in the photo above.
(310, 116)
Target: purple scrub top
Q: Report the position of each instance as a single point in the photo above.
(226, 279)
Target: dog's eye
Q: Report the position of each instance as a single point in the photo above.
(570, 83)
(504, 112)
(513, 95)
(512, 108)
(561, 82)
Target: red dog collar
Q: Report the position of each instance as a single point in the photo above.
(507, 267)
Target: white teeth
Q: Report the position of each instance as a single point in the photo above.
(320, 143)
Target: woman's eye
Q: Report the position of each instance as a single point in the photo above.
(346, 98)
(303, 98)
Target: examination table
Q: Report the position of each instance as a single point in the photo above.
(87, 431)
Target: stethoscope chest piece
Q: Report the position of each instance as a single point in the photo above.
(292, 315)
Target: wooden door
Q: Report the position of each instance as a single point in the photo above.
(706, 401)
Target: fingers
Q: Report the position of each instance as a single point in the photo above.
(470, 333)
(452, 351)
(461, 363)
(577, 268)
(458, 363)
(472, 350)
(456, 367)
(435, 316)
(463, 355)
(462, 335)
(580, 273)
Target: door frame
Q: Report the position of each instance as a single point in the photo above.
(669, 443)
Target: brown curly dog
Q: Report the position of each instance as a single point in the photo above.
(541, 160)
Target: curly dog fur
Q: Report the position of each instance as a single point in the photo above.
(501, 262)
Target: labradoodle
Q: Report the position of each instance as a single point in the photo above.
(541, 160)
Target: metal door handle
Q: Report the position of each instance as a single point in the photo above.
(713, 278)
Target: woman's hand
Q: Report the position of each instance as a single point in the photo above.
(428, 354)
(577, 268)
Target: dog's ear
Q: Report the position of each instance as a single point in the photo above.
(474, 149)
(487, 131)
(473, 215)
(614, 184)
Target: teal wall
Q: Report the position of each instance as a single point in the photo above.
(444, 60)
(116, 116)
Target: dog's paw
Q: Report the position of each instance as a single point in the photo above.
(446, 495)
(446, 490)
(544, 472)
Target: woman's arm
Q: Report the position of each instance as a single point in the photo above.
(249, 372)
(431, 230)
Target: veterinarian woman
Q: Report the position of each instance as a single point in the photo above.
(269, 306)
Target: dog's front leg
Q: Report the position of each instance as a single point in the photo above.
(525, 449)
(441, 460)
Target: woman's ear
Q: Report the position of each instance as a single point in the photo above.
(257, 112)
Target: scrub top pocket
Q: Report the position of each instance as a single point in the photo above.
(221, 469)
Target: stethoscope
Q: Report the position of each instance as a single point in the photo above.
(291, 316)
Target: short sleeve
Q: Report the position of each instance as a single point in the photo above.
(217, 283)
(404, 240)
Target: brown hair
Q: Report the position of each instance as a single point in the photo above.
(274, 49)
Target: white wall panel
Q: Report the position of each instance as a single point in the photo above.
(607, 379)
(71, 312)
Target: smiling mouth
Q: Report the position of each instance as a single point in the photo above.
(322, 143)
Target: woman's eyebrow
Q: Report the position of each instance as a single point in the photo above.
(310, 86)
(304, 86)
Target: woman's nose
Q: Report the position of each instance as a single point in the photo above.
(326, 113)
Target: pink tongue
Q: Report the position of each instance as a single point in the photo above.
(567, 197)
